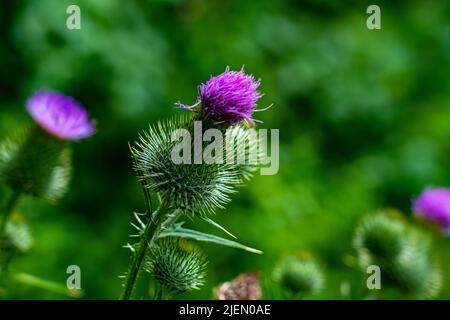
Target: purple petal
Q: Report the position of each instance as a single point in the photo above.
(230, 97)
(434, 205)
(60, 115)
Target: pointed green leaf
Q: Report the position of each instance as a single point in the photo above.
(218, 226)
(179, 231)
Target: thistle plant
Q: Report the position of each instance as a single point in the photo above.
(402, 252)
(195, 189)
(37, 160)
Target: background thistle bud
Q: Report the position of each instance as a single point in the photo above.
(195, 188)
(379, 238)
(35, 163)
(402, 253)
(414, 272)
(177, 265)
(299, 277)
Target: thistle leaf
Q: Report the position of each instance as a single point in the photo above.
(178, 231)
(218, 226)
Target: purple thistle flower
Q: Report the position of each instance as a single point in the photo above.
(60, 115)
(229, 97)
(434, 205)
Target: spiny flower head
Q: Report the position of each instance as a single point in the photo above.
(229, 98)
(177, 265)
(194, 188)
(434, 205)
(60, 115)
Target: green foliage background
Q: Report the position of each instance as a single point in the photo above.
(364, 120)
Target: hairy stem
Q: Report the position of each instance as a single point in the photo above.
(151, 232)
(145, 242)
(8, 211)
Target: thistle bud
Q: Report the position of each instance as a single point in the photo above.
(414, 272)
(197, 188)
(402, 253)
(37, 161)
(379, 238)
(177, 265)
(299, 277)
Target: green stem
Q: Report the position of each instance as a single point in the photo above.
(52, 286)
(139, 255)
(151, 232)
(8, 211)
(147, 238)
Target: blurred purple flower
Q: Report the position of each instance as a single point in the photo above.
(60, 115)
(229, 97)
(434, 205)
